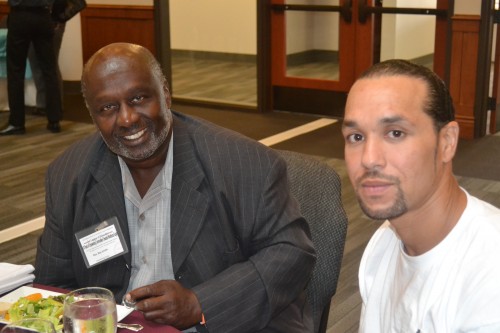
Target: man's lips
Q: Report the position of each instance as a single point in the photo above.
(374, 187)
(135, 136)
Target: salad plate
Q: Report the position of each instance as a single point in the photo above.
(13, 296)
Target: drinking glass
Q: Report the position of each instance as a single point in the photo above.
(89, 310)
(29, 325)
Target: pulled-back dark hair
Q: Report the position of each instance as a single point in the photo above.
(439, 105)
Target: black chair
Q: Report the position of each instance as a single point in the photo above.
(317, 188)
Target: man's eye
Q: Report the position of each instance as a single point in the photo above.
(108, 107)
(353, 138)
(396, 134)
(137, 99)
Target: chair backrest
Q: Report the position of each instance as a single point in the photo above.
(317, 188)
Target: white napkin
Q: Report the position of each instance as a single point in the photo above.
(12, 276)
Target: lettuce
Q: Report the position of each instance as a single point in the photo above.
(50, 308)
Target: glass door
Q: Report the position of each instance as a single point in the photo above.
(319, 47)
(312, 49)
(213, 52)
(315, 32)
(414, 30)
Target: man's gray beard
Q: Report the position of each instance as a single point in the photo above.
(155, 142)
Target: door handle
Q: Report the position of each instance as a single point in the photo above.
(364, 10)
(344, 10)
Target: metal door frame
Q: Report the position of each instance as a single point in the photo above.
(264, 61)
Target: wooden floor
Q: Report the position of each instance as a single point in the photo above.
(233, 81)
(23, 161)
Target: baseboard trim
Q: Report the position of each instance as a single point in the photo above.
(221, 56)
(424, 60)
(215, 104)
(310, 56)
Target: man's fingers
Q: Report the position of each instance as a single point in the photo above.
(142, 292)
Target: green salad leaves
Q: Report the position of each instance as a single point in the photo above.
(35, 306)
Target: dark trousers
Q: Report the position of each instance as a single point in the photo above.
(26, 27)
(37, 73)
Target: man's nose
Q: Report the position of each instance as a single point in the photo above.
(373, 155)
(126, 115)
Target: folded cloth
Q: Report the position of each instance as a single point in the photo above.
(12, 276)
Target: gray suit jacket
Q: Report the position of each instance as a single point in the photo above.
(238, 239)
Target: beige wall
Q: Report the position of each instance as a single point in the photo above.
(70, 57)
(468, 7)
(237, 33)
(312, 31)
(407, 36)
(232, 32)
(214, 26)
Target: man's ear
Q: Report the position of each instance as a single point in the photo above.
(167, 96)
(449, 140)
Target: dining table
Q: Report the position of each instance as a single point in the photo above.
(135, 317)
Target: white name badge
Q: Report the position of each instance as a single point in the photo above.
(101, 242)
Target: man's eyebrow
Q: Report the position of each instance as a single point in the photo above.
(385, 121)
(393, 120)
(349, 124)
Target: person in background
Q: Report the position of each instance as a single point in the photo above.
(38, 79)
(62, 11)
(432, 266)
(30, 21)
(217, 242)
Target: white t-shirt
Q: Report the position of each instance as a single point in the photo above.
(454, 287)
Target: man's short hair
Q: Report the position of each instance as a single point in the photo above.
(439, 104)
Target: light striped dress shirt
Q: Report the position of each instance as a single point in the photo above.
(149, 225)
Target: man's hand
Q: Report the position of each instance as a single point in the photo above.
(167, 302)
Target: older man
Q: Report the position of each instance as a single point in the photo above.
(215, 239)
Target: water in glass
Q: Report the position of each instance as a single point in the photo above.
(90, 312)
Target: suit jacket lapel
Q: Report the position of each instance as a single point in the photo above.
(106, 196)
(189, 206)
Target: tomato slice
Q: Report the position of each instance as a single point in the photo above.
(34, 297)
